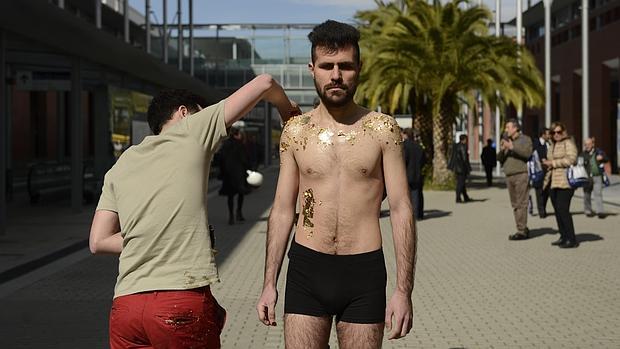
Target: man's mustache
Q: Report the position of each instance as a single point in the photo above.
(341, 86)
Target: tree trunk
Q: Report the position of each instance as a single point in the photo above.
(423, 123)
(442, 127)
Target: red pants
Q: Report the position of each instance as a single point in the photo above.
(167, 319)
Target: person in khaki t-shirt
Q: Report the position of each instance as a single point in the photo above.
(153, 212)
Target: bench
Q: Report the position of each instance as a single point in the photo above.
(46, 178)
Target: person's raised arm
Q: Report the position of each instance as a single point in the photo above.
(105, 236)
(399, 312)
(262, 87)
(278, 231)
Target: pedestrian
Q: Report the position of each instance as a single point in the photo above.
(459, 164)
(489, 160)
(562, 154)
(541, 146)
(515, 151)
(594, 162)
(336, 159)
(153, 213)
(415, 160)
(234, 166)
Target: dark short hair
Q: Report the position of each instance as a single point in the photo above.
(166, 102)
(515, 122)
(333, 36)
(462, 137)
(409, 132)
(543, 131)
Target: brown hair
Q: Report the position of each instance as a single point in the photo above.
(558, 124)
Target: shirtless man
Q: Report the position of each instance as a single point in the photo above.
(335, 159)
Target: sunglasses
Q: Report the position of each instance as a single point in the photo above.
(556, 132)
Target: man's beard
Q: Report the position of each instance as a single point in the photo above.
(329, 102)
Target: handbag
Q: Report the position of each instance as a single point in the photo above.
(535, 170)
(577, 175)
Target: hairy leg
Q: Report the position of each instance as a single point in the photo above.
(359, 336)
(306, 332)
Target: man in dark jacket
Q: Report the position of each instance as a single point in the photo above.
(542, 192)
(459, 164)
(414, 162)
(489, 160)
(515, 150)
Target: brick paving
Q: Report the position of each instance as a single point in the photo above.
(473, 287)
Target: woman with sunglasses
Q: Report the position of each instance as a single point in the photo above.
(561, 155)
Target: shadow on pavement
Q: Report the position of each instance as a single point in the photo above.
(478, 200)
(534, 233)
(430, 214)
(587, 237)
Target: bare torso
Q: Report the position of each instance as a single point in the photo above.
(340, 179)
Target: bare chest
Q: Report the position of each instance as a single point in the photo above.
(333, 152)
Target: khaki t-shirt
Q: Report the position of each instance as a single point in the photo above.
(159, 190)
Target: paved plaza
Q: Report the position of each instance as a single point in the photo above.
(473, 288)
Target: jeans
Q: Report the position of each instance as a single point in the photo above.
(460, 187)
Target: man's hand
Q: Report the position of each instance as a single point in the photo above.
(266, 307)
(547, 163)
(399, 315)
(508, 144)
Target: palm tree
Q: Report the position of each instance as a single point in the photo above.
(440, 53)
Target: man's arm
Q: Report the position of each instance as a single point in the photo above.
(105, 236)
(522, 149)
(262, 87)
(278, 232)
(399, 312)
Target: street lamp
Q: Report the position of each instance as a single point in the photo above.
(547, 4)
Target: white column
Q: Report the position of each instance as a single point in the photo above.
(164, 41)
(77, 136)
(548, 4)
(147, 24)
(585, 76)
(179, 37)
(4, 144)
(498, 21)
(126, 19)
(98, 14)
(191, 37)
(520, 42)
(267, 135)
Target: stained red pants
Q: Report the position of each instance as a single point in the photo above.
(167, 319)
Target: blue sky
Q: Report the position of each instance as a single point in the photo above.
(281, 11)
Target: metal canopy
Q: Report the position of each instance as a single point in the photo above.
(44, 22)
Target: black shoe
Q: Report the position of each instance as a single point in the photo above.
(601, 216)
(468, 199)
(543, 215)
(459, 201)
(558, 242)
(240, 217)
(519, 236)
(569, 244)
(231, 221)
(590, 214)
